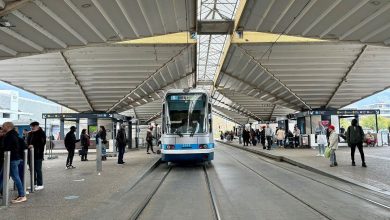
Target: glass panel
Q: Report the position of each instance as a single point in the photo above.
(186, 113)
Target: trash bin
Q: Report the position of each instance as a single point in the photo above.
(305, 140)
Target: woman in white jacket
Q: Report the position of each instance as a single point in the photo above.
(333, 144)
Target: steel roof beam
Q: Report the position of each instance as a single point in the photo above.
(320, 17)
(85, 19)
(22, 39)
(242, 110)
(291, 2)
(272, 112)
(76, 81)
(263, 92)
(153, 117)
(11, 6)
(344, 79)
(273, 76)
(173, 59)
(8, 50)
(108, 19)
(347, 15)
(59, 20)
(40, 29)
(365, 21)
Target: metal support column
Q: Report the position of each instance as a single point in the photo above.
(99, 156)
(62, 125)
(130, 138)
(376, 123)
(25, 158)
(6, 171)
(32, 170)
(78, 128)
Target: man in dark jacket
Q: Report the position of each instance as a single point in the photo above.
(355, 137)
(37, 139)
(70, 144)
(121, 143)
(11, 143)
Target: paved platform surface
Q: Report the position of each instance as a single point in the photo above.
(376, 176)
(69, 194)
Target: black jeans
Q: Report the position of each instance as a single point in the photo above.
(38, 172)
(69, 160)
(269, 141)
(360, 148)
(150, 144)
(84, 153)
(121, 152)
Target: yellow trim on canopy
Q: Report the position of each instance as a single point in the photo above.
(176, 38)
(261, 37)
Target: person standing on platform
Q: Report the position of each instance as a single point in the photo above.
(321, 139)
(149, 139)
(355, 138)
(245, 136)
(239, 134)
(70, 144)
(333, 144)
(84, 139)
(121, 143)
(11, 143)
(296, 134)
(269, 135)
(37, 139)
(262, 137)
(280, 135)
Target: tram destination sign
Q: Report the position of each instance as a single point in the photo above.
(346, 112)
(83, 115)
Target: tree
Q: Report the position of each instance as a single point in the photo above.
(369, 122)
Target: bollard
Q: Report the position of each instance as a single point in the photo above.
(25, 170)
(99, 156)
(32, 170)
(6, 171)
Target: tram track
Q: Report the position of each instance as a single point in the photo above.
(378, 204)
(145, 203)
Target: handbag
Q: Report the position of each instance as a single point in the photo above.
(327, 152)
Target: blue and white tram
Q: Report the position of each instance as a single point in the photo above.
(187, 126)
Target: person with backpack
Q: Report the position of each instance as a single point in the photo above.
(355, 138)
(149, 139)
(70, 144)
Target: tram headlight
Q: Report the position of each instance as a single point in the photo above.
(203, 146)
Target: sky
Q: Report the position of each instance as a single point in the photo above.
(383, 96)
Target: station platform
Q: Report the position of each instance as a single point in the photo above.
(75, 193)
(375, 177)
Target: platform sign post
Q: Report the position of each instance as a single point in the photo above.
(25, 158)
(99, 156)
(32, 170)
(6, 171)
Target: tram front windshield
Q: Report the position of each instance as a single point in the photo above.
(186, 113)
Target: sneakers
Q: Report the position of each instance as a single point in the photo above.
(147, 152)
(318, 155)
(353, 163)
(39, 188)
(69, 167)
(364, 165)
(19, 199)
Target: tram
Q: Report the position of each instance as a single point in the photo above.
(187, 126)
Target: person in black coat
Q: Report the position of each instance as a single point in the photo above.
(84, 144)
(37, 139)
(262, 137)
(70, 144)
(121, 143)
(11, 143)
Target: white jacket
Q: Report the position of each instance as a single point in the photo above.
(334, 140)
